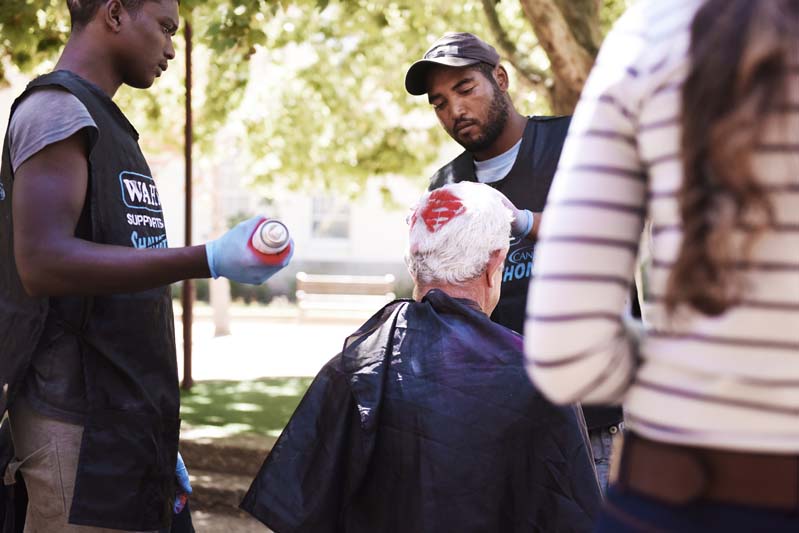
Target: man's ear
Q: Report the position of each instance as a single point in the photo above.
(495, 261)
(112, 12)
(501, 75)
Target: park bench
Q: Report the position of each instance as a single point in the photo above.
(329, 292)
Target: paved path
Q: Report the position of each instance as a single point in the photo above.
(219, 523)
(263, 345)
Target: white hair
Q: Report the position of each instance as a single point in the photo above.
(453, 232)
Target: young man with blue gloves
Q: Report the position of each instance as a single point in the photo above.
(89, 368)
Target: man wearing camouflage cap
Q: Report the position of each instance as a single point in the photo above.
(517, 155)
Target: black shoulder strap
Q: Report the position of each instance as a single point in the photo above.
(96, 101)
(459, 169)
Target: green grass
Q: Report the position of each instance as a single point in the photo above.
(261, 407)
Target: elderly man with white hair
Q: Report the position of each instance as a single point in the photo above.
(426, 421)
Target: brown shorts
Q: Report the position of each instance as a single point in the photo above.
(47, 457)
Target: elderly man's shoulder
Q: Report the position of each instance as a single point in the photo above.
(457, 319)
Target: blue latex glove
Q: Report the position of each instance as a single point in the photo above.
(522, 223)
(184, 486)
(230, 256)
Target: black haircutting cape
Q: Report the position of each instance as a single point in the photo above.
(428, 422)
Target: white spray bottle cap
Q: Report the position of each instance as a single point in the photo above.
(271, 237)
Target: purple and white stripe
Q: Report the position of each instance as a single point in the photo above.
(730, 381)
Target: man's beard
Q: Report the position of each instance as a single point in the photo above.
(494, 125)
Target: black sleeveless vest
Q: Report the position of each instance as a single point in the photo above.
(126, 469)
(526, 185)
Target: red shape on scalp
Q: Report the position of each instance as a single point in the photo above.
(413, 218)
(442, 206)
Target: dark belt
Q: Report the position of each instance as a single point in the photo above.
(681, 475)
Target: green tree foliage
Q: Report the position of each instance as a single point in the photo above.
(343, 115)
(313, 89)
(30, 31)
(343, 110)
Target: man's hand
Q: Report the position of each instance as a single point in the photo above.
(230, 256)
(184, 486)
(524, 220)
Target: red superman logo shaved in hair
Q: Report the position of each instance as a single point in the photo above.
(442, 206)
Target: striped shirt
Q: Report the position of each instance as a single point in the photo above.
(730, 381)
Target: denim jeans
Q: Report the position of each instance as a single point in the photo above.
(602, 446)
(630, 512)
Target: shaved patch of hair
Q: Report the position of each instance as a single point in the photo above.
(454, 230)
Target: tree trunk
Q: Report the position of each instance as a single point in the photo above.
(219, 289)
(582, 17)
(534, 76)
(569, 37)
(219, 295)
(563, 97)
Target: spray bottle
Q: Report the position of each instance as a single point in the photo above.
(271, 241)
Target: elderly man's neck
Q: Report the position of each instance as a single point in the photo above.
(470, 291)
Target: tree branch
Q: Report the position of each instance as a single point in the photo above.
(534, 75)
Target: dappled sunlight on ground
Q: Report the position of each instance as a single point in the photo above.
(205, 522)
(223, 408)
